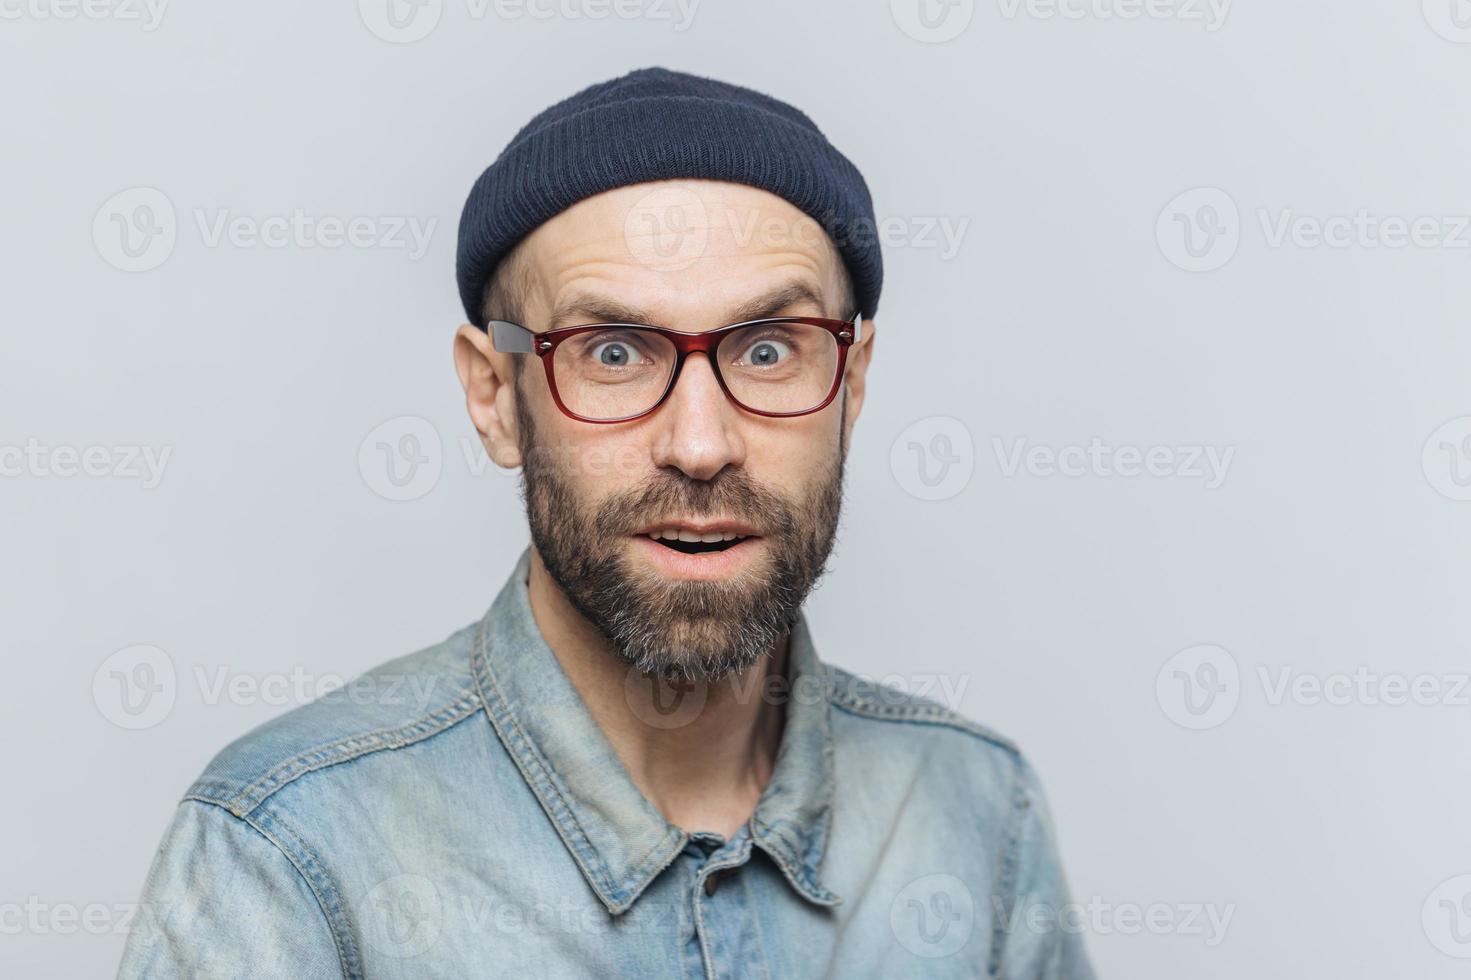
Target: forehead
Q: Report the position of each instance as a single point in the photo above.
(688, 254)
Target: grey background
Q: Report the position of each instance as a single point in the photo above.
(1050, 604)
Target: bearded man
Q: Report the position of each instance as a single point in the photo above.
(635, 764)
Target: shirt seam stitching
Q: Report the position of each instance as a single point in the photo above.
(525, 755)
(346, 950)
(922, 714)
(349, 748)
(1010, 861)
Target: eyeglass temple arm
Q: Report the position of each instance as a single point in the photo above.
(510, 338)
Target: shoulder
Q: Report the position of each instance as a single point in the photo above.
(906, 728)
(900, 708)
(397, 704)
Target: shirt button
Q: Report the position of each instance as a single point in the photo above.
(712, 882)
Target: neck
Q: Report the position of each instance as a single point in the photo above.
(701, 753)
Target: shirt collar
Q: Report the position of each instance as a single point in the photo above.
(618, 839)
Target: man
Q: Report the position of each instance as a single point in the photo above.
(635, 764)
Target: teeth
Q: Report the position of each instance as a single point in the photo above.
(679, 534)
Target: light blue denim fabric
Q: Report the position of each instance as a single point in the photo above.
(458, 813)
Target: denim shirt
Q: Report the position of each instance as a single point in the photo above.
(458, 813)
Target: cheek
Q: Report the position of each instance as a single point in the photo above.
(596, 462)
(794, 455)
(585, 458)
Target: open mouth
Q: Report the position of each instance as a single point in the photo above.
(695, 543)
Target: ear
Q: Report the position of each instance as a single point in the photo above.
(490, 396)
(855, 375)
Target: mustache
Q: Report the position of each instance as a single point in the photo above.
(731, 494)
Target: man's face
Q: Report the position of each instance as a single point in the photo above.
(753, 501)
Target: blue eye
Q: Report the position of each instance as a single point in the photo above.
(612, 353)
(765, 353)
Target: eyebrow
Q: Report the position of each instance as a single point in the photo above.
(589, 308)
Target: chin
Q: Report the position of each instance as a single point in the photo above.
(692, 649)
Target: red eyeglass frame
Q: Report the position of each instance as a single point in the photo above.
(512, 338)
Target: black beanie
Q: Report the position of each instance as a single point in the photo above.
(656, 124)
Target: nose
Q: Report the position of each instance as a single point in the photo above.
(698, 426)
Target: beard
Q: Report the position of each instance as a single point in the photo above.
(679, 629)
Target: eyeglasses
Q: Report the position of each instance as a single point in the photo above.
(779, 367)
